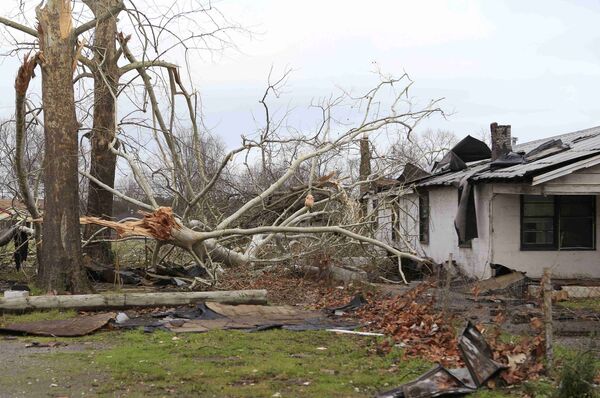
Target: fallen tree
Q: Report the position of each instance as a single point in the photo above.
(303, 198)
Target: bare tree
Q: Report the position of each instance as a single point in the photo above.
(422, 149)
(298, 203)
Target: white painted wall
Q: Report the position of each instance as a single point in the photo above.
(443, 202)
(498, 223)
(506, 243)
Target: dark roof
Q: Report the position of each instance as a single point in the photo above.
(573, 146)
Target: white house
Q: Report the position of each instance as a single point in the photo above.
(525, 207)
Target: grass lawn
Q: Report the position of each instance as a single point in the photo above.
(241, 364)
(216, 364)
(592, 304)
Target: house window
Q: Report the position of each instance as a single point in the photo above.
(558, 222)
(424, 217)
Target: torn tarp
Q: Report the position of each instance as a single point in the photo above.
(442, 382)
(210, 316)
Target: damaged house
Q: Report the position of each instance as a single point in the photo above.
(524, 207)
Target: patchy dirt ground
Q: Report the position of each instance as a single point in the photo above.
(274, 362)
(36, 372)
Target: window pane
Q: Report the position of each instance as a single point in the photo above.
(576, 206)
(538, 238)
(538, 209)
(538, 224)
(577, 232)
(538, 221)
(538, 206)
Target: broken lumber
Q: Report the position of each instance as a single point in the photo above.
(121, 300)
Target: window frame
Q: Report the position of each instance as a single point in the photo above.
(555, 246)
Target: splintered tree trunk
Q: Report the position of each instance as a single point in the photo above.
(103, 162)
(60, 268)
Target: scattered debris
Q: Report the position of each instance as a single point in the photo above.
(566, 292)
(121, 318)
(79, 326)
(210, 316)
(439, 381)
(344, 331)
(108, 274)
(50, 344)
(513, 282)
(357, 302)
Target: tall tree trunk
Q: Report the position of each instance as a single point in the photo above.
(103, 162)
(60, 268)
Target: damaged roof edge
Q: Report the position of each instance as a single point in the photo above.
(583, 151)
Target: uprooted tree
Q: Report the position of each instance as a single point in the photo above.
(298, 201)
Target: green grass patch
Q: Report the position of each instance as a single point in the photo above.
(592, 304)
(240, 364)
(6, 319)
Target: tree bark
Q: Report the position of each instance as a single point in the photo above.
(60, 268)
(103, 161)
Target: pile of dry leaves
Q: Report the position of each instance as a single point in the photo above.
(413, 323)
(523, 356)
(285, 286)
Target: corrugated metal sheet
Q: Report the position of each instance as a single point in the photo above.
(582, 144)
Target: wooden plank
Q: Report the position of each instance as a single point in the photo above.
(571, 189)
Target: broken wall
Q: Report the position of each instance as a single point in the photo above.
(443, 240)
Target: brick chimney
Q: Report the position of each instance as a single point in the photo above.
(501, 140)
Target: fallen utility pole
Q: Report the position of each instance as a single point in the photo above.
(122, 300)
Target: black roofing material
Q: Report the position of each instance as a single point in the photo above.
(465, 221)
(471, 149)
(412, 173)
(507, 160)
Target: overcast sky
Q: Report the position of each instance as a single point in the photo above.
(532, 64)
